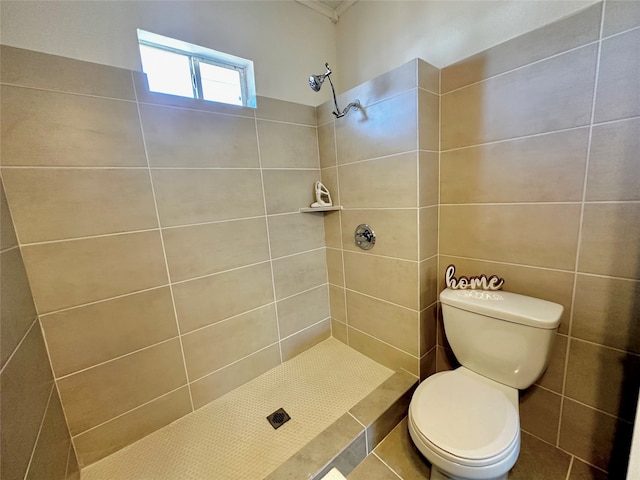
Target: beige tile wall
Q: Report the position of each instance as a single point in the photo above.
(35, 442)
(540, 185)
(381, 165)
(162, 240)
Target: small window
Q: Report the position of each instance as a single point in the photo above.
(179, 68)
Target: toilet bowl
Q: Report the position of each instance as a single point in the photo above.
(466, 421)
(466, 425)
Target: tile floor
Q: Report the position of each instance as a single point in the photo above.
(397, 458)
(230, 439)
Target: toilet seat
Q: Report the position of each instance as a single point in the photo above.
(466, 419)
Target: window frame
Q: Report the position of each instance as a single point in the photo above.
(197, 55)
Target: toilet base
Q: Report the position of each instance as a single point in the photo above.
(437, 474)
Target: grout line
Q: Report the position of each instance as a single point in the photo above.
(91, 237)
(507, 263)
(363, 253)
(404, 307)
(71, 167)
(383, 157)
(264, 206)
(341, 248)
(15, 350)
(509, 204)
(621, 33)
(64, 92)
(308, 327)
(373, 452)
(511, 139)
(66, 469)
(418, 287)
(521, 67)
(102, 300)
(182, 107)
(568, 476)
(10, 248)
(119, 357)
(233, 363)
(580, 225)
(138, 407)
(35, 443)
(389, 345)
(364, 429)
(164, 250)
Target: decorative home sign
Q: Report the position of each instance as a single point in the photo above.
(483, 282)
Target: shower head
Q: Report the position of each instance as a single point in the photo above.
(315, 81)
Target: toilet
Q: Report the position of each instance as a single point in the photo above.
(466, 421)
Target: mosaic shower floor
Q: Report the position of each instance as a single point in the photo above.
(230, 438)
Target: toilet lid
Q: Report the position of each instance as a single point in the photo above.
(464, 416)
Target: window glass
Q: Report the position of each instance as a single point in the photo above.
(167, 72)
(221, 84)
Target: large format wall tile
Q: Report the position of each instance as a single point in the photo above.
(7, 233)
(618, 95)
(395, 325)
(315, 305)
(181, 138)
(222, 343)
(396, 231)
(17, 311)
(199, 250)
(386, 278)
(543, 97)
(115, 434)
(389, 182)
(26, 386)
(545, 168)
(54, 204)
(603, 378)
(65, 274)
(98, 394)
(537, 403)
(298, 273)
(428, 121)
(327, 146)
(25, 68)
(620, 15)
(211, 299)
(390, 128)
(609, 245)
(541, 43)
(383, 353)
(197, 195)
(50, 455)
(305, 339)
(595, 437)
(614, 162)
(283, 145)
(282, 111)
(47, 128)
(607, 312)
(287, 191)
(295, 233)
(429, 165)
(85, 336)
(216, 384)
(540, 235)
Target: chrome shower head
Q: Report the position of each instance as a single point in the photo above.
(315, 81)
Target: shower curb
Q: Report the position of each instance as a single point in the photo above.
(348, 441)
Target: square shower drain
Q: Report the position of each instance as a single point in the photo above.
(278, 418)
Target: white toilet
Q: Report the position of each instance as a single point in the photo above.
(466, 421)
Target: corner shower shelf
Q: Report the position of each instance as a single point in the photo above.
(321, 209)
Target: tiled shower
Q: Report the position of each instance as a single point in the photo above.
(520, 161)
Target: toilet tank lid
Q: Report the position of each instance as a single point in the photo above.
(507, 306)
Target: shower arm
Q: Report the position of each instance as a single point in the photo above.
(336, 112)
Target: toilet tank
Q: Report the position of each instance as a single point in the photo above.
(503, 336)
